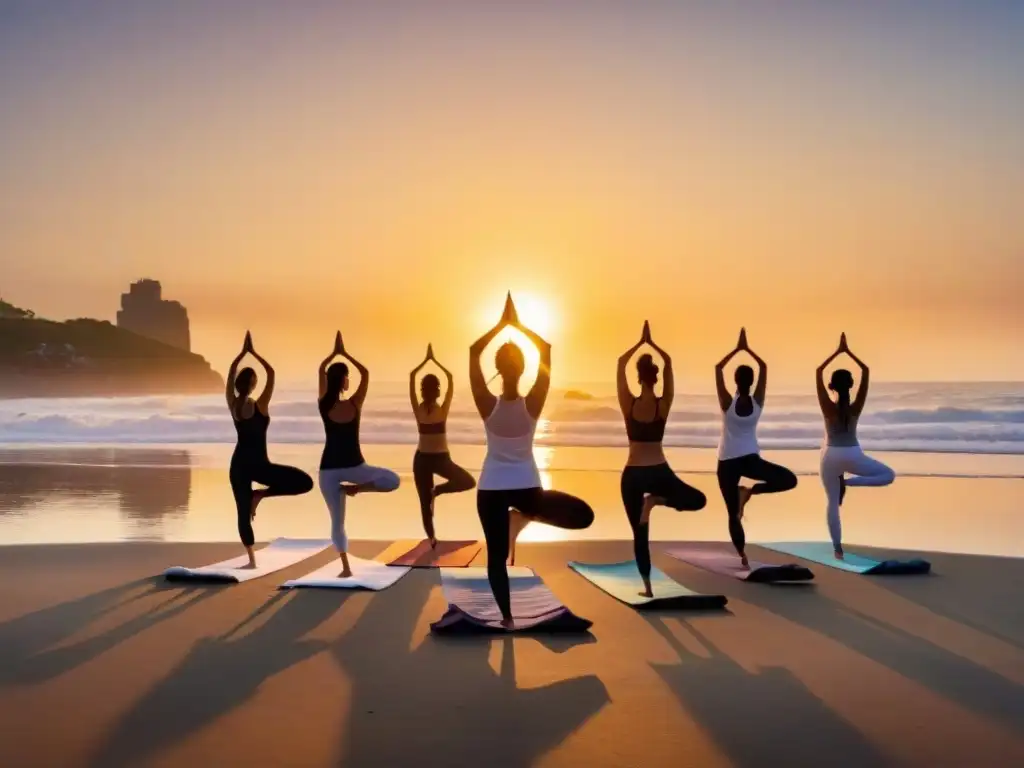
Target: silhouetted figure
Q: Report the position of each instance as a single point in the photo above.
(739, 454)
(343, 471)
(647, 480)
(432, 456)
(841, 455)
(249, 462)
(510, 493)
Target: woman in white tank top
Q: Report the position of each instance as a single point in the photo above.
(509, 494)
(739, 454)
(841, 455)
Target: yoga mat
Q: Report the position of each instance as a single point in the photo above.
(366, 574)
(723, 560)
(622, 581)
(419, 554)
(821, 552)
(472, 609)
(278, 554)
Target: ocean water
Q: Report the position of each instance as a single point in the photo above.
(920, 418)
(155, 468)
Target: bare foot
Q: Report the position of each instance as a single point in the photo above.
(250, 566)
(257, 497)
(842, 489)
(433, 542)
(346, 574)
(648, 592)
(508, 623)
(744, 562)
(649, 504)
(351, 490)
(839, 554)
(744, 498)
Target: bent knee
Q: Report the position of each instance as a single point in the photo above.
(389, 482)
(889, 476)
(305, 484)
(789, 481)
(697, 500)
(583, 516)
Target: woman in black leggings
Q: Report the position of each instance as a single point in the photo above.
(432, 456)
(647, 480)
(738, 451)
(510, 494)
(249, 462)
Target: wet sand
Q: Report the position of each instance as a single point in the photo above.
(105, 664)
(87, 495)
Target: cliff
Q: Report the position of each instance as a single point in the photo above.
(86, 358)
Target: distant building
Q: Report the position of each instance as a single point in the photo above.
(144, 311)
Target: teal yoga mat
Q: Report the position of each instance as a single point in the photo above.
(622, 581)
(821, 552)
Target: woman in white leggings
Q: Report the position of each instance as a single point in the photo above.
(842, 455)
(343, 471)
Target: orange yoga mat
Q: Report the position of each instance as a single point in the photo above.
(419, 554)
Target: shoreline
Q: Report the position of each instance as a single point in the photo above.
(183, 494)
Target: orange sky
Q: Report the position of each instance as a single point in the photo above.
(391, 171)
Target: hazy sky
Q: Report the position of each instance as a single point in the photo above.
(391, 169)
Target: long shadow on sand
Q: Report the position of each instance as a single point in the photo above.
(953, 677)
(977, 591)
(442, 703)
(218, 675)
(24, 640)
(763, 718)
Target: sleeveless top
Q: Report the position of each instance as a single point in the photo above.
(509, 463)
(341, 448)
(433, 428)
(252, 437)
(838, 435)
(645, 431)
(739, 433)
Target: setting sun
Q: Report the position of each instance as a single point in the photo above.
(534, 312)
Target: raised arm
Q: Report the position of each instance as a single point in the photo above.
(413, 397)
(621, 382)
(322, 371)
(482, 396)
(229, 392)
(364, 382)
(538, 394)
(824, 401)
(724, 396)
(263, 403)
(449, 387)
(668, 380)
(762, 375)
(865, 380)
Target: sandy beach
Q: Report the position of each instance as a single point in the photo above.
(107, 664)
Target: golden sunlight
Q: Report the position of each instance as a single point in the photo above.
(534, 312)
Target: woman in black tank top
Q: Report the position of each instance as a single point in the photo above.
(343, 471)
(647, 480)
(249, 462)
(432, 456)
